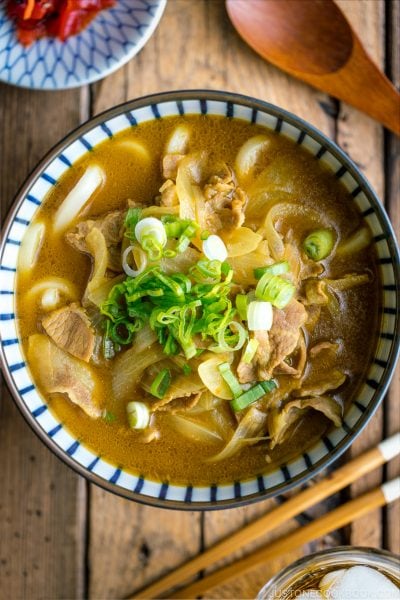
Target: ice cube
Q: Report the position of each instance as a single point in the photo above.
(310, 595)
(362, 583)
(331, 579)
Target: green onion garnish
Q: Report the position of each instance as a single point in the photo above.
(318, 244)
(252, 395)
(187, 369)
(131, 220)
(250, 351)
(138, 415)
(206, 271)
(177, 307)
(269, 385)
(109, 417)
(161, 383)
(278, 268)
(230, 379)
(241, 305)
(231, 341)
(274, 289)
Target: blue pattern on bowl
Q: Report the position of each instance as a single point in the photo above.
(109, 41)
(114, 477)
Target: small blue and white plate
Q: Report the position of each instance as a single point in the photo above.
(110, 40)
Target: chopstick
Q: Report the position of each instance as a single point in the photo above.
(334, 482)
(345, 514)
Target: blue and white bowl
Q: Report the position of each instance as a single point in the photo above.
(139, 487)
(109, 41)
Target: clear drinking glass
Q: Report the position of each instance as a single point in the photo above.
(305, 573)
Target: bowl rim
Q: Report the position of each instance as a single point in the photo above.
(339, 154)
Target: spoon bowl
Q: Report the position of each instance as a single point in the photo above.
(313, 41)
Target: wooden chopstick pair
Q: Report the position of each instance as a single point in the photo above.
(348, 473)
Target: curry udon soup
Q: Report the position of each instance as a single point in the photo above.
(196, 299)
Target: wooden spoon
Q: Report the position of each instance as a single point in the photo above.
(312, 40)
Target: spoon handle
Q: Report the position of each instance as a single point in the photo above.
(363, 85)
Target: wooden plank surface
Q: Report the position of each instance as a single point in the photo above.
(391, 521)
(58, 540)
(42, 502)
(352, 126)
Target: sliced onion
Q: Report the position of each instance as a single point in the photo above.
(259, 316)
(194, 430)
(135, 147)
(65, 287)
(50, 299)
(140, 260)
(92, 179)
(211, 377)
(179, 140)
(241, 241)
(30, 246)
(248, 432)
(356, 242)
(214, 248)
(248, 156)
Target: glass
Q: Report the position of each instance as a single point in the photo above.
(305, 573)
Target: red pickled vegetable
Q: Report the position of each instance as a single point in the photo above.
(53, 18)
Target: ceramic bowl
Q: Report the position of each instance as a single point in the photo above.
(139, 487)
(107, 43)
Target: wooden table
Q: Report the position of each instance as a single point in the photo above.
(61, 537)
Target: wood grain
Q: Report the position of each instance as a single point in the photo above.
(225, 63)
(50, 545)
(353, 126)
(42, 502)
(391, 522)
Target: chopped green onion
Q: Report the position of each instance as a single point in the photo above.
(206, 271)
(214, 248)
(250, 351)
(241, 305)
(169, 253)
(274, 289)
(252, 395)
(204, 235)
(268, 385)
(151, 235)
(278, 268)
(122, 330)
(226, 271)
(153, 248)
(183, 244)
(161, 383)
(230, 379)
(173, 229)
(131, 220)
(226, 338)
(259, 316)
(138, 415)
(318, 244)
(187, 369)
(109, 417)
(176, 307)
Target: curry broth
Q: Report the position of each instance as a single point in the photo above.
(173, 457)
